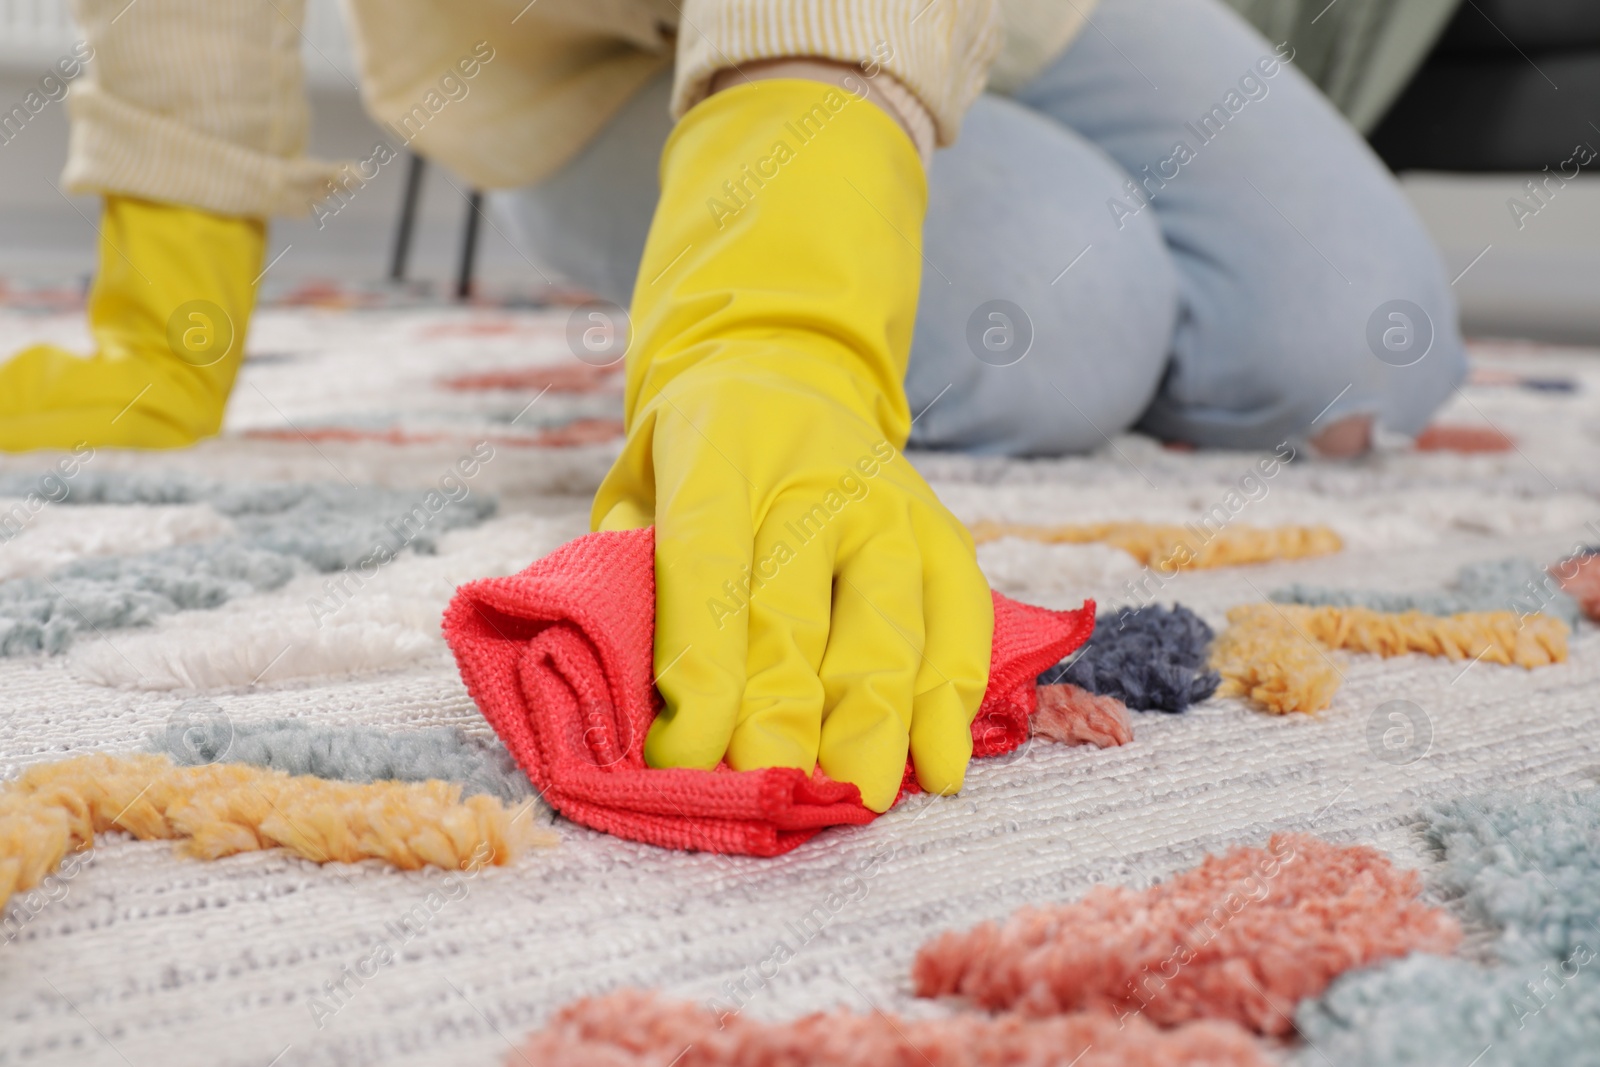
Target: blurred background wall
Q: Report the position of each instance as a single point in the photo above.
(1468, 101)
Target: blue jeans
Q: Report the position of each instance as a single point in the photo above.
(1169, 229)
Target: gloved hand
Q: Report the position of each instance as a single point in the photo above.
(815, 603)
(168, 312)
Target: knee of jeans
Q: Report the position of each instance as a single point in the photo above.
(1386, 344)
(1078, 391)
(1417, 342)
(1045, 320)
(1401, 344)
(1048, 369)
(1063, 378)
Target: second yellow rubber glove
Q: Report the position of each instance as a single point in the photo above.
(815, 603)
(171, 300)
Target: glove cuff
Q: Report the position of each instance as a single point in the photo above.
(790, 219)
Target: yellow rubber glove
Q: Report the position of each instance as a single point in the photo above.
(168, 311)
(815, 603)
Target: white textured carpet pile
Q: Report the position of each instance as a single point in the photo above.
(137, 957)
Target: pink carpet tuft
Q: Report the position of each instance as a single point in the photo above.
(1584, 583)
(1076, 716)
(635, 1029)
(1242, 937)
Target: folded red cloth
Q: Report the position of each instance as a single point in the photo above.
(559, 659)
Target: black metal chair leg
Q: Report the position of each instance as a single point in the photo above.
(408, 218)
(469, 246)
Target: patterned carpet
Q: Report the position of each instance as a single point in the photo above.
(141, 958)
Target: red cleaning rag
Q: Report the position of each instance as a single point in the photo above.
(559, 659)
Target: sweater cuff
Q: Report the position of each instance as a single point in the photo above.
(938, 53)
(907, 107)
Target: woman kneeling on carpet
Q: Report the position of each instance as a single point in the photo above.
(1157, 223)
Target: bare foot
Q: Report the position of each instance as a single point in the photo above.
(1344, 439)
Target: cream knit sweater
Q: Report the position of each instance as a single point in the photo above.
(201, 103)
